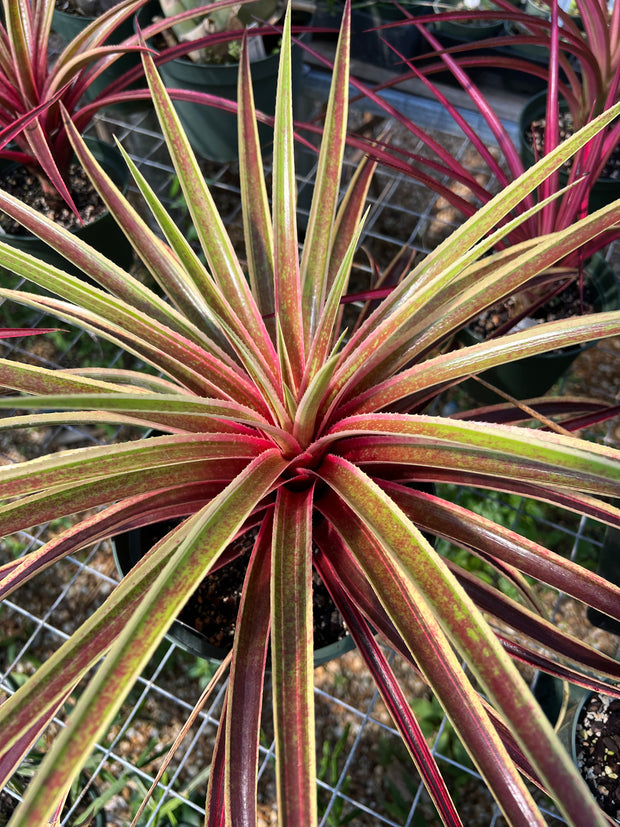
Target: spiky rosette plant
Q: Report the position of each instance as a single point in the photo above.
(37, 85)
(270, 414)
(566, 195)
(587, 90)
(34, 81)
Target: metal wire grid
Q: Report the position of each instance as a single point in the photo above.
(41, 616)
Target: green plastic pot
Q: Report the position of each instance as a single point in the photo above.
(131, 546)
(530, 51)
(213, 132)
(68, 26)
(103, 233)
(328, 15)
(533, 376)
(604, 190)
(537, 9)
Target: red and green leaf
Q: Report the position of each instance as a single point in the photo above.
(292, 657)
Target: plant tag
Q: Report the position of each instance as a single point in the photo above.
(256, 47)
(524, 324)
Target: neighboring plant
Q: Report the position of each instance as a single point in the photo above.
(35, 86)
(222, 18)
(161, 810)
(86, 8)
(562, 203)
(472, 7)
(18, 332)
(588, 53)
(81, 805)
(583, 70)
(273, 415)
(432, 724)
(587, 50)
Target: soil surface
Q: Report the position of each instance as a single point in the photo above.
(598, 751)
(213, 608)
(7, 806)
(572, 301)
(86, 8)
(23, 184)
(536, 137)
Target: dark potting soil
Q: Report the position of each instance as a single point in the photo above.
(536, 138)
(7, 807)
(598, 751)
(21, 183)
(565, 305)
(213, 609)
(86, 8)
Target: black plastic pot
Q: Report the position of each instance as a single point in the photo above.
(373, 47)
(131, 546)
(609, 568)
(103, 233)
(604, 190)
(533, 376)
(553, 696)
(465, 31)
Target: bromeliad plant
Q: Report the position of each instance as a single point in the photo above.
(563, 201)
(35, 86)
(222, 18)
(588, 52)
(583, 73)
(270, 414)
